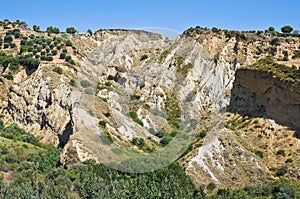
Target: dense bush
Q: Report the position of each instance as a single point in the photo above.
(73, 83)
(58, 70)
(106, 138)
(51, 29)
(84, 83)
(5, 45)
(165, 140)
(102, 123)
(71, 30)
(9, 76)
(110, 77)
(135, 118)
(68, 43)
(89, 91)
(17, 35)
(8, 39)
(144, 57)
(14, 67)
(259, 153)
(286, 29)
(62, 55)
(54, 52)
(297, 55)
(36, 28)
(12, 45)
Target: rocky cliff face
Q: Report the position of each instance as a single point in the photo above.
(140, 85)
(43, 105)
(261, 94)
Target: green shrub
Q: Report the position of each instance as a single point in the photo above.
(68, 58)
(73, 83)
(36, 28)
(5, 45)
(211, 186)
(202, 133)
(122, 80)
(1, 124)
(102, 123)
(161, 133)
(58, 70)
(173, 133)
(103, 99)
(89, 91)
(62, 55)
(106, 138)
(135, 118)
(9, 76)
(30, 43)
(107, 114)
(71, 61)
(39, 48)
(108, 83)
(71, 30)
(14, 67)
(23, 42)
(259, 153)
(281, 171)
(34, 51)
(165, 140)
(9, 32)
(51, 29)
(280, 152)
(152, 131)
(285, 58)
(84, 83)
(48, 58)
(110, 77)
(51, 46)
(144, 57)
(12, 45)
(68, 43)
(286, 29)
(297, 55)
(54, 52)
(140, 142)
(30, 49)
(135, 97)
(17, 35)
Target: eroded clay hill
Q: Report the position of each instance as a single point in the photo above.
(135, 91)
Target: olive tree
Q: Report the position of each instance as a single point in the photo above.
(71, 30)
(286, 29)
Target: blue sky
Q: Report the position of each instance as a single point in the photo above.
(176, 15)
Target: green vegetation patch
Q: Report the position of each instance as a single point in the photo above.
(135, 118)
(106, 138)
(281, 71)
(173, 111)
(183, 70)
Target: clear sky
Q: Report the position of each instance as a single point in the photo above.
(170, 14)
